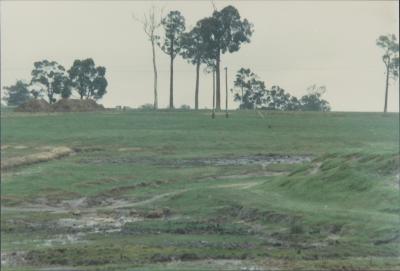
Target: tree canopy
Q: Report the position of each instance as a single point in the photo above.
(53, 77)
(248, 89)
(229, 31)
(391, 60)
(174, 26)
(17, 94)
(313, 100)
(88, 80)
(194, 47)
(252, 93)
(225, 32)
(391, 53)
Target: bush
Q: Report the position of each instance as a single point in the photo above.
(185, 107)
(146, 107)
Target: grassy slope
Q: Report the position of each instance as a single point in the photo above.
(332, 212)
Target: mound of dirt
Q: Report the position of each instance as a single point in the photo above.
(34, 106)
(76, 105)
(63, 105)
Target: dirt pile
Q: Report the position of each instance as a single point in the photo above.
(63, 105)
(33, 106)
(76, 105)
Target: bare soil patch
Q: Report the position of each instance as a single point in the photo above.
(75, 105)
(63, 105)
(34, 106)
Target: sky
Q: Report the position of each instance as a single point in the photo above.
(295, 44)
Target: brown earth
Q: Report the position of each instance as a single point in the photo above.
(76, 105)
(63, 105)
(33, 106)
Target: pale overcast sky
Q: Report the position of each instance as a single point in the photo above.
(295, 44)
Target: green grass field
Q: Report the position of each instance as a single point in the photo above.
(173, 190)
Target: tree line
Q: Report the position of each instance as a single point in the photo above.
(211, 37)
(224, 31)
(53, 81)
(252, 93)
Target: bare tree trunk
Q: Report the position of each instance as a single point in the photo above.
(213, 104)
(226, 91)
(218, 88)
(150, 22)
(387, 88)
(171, 84)
(241, 100)
(155, 75)
(50, 94)
(196, 95)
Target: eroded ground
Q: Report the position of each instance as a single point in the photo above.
(126, 202)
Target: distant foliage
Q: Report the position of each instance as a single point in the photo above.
(391, 53)
(194, 47)
(174, 26)
(294, 104)
(51, 80)
(250, 91)
(53, 77)
(17, 94)
(225, 31)
(391, 60)
(87, 79)
(36, 90)
(252, 94)
(313, 100)
(185, 107)
(146, 107)
(277, 99)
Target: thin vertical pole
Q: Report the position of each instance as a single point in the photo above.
(213, 105)
(226, 92)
